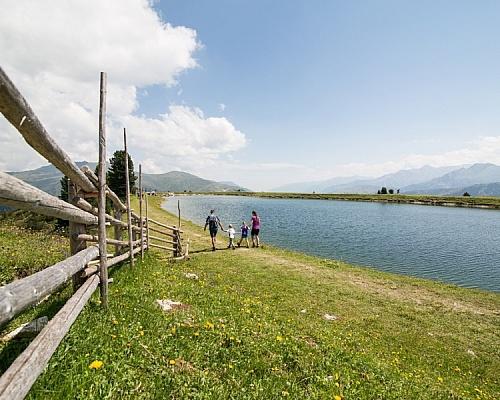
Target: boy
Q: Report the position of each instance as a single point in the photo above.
(231, 232)
(244, 234)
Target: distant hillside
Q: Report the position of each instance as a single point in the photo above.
(482, 189)
(315, 186)
(177, 181)
(47, 178)
(356, 184)
(453, 182)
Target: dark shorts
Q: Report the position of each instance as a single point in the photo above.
(213, 232)
(255, 232)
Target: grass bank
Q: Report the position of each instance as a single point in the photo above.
(254, 328)
(446, 201)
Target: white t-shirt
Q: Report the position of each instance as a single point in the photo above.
(231, 233)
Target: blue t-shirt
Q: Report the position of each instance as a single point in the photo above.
(244, 231)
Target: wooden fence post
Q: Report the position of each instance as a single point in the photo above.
(147, 220)
(179, 212)
(141, 225)
(127, 192)
(103, 267)
(118, 232)
(75, 244)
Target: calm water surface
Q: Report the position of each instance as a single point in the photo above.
(456, 245)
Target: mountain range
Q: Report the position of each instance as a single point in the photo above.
(477, 179)
(47, 178)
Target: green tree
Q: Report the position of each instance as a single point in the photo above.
(116, 174)
(391, 191)
(61, 223)
(64, 188)
(383, 190)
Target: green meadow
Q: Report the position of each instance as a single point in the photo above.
(260, 323)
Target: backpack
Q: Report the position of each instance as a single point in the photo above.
(212, 221)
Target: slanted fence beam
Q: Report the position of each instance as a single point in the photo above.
(19, 113)
(17, 193)
(22, 293)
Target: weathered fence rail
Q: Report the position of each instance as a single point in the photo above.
(87, 266)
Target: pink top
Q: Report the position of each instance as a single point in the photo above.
(255, 222)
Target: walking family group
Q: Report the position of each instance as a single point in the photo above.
(213, 223)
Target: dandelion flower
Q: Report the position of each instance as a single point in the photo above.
(172, 362)
(279, 338)
(337, 397)
(440, 379)
(96, 364)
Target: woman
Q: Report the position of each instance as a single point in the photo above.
(255, 229)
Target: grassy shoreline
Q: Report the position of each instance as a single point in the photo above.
(254, 328)
(444, 201)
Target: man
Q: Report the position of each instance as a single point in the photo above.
(213, 223)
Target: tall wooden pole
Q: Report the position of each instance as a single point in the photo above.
(75, 229)
(179, 211)
(127, 192)
(147, 220)
(140, 212)
(103, 267)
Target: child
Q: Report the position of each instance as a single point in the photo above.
(244, 234)
(231, 232)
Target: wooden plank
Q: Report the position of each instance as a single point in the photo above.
(109, 193)
(16, 382)
(92, 269)
(19, 113)
(101, 200)
(127, 194)
(163, 233)
(162, 247)
(172, 228)
(16, 193)
(23, 293)
(86, 206)
(95, 239)
(162, 239)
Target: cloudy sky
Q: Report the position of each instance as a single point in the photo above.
(260, 92)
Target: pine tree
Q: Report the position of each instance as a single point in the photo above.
(116, 174)
(61, 223)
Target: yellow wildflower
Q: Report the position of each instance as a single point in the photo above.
(96, 364)
(440, 380)
(279, 338)
(141, 333)
(337, 397)
(209, 325)
(115, 322)
(172, 362)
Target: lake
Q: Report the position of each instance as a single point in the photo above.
(455, 245)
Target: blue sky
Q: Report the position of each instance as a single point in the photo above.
(322, 83)
(262, 93)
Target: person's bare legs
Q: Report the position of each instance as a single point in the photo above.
(214, 241)
(257, 240)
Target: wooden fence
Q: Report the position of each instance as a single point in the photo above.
(88, 265)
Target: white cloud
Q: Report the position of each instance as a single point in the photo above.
(54, 51)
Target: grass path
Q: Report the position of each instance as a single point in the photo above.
(254, 328)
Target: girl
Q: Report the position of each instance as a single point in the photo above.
(255, 229)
